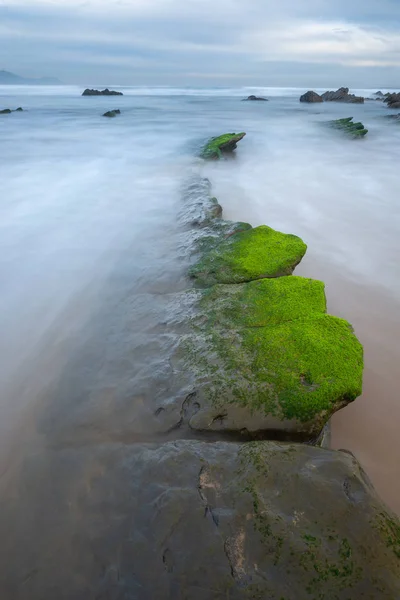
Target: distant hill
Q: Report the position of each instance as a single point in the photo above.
(7, 78)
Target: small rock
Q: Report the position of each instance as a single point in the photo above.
(6, 111)
(112, 113)
(255, 98)
(311, 96)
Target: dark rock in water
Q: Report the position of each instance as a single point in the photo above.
(223, 144)
(311, 97)
(112, 113)
(5, 111)
(197, 521)
(356, 130)
(105, 92)
(393, 100)
(393, 117)
(342, 95)
(255, 98)
(379, 93)
(19, 109)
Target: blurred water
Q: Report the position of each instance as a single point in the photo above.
(88, 218)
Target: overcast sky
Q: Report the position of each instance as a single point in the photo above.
(307, 43)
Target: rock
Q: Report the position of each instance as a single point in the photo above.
(112, 113)
(342, 95)
(379, 93)
(6, 111)
(265, 357)
(19, 109)
(311, 97)
(253, 254)
(255, 98)
(196, 520)
(356, 130)
(392, 100)
(224, 144)
(393, 117)
(105, 92)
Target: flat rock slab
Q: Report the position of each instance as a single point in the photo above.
(190, 520)
(223, 144)
(247, 255)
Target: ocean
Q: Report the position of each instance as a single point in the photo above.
(89, 231)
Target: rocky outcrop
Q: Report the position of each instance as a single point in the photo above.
(196, 520)
(105, 92)
(392, 100)
(393, 117)
(112, 113)
(355, 130)
(342, 95)
(223, 144)
(8, 111)
(311, 96)
(255, 98)
(379, 93)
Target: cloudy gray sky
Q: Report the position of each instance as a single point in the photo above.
(309, 43)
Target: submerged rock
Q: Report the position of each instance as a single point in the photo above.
(255, 98)
(112, 113)
(223, 144)
(196, 520)
(356, 130)
(342, 95)
(311, 97)
(105, 92)
(8, 111)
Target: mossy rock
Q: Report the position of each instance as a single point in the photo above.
(285, 379)
(347, 126)
(223, 144)
(248, 255)
(261, 303)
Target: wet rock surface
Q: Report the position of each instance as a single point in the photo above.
(392, 100)
(253, 98)
(216, 147)
(8, 111)
(347, 126)
(192, 520)
(112, 113)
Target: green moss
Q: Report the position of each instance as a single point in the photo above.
(350, 128)
(261, 303)
(217, 146)
(390, 527)
(248, 255)
(303, 370)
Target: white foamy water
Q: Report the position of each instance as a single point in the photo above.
(88, 213)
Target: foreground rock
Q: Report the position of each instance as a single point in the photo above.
(8, 111)
(392, 100)
(355, 130)
(255, 98)
(112, 113)
(342, 95)
(105, 92)
(197, 521)
(311, 97)
(223, 144)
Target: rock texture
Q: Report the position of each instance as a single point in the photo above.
(112, 113)
(223, 144)
(105, 92)
(392, 100)
(342, 95)
(255, 98)
(197, 521)
(354, 130)
(311, 97)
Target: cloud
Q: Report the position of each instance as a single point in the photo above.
(201, 39)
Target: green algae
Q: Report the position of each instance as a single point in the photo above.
(217, 146)
(261, 303)
(389, 526)
(347, 126)
(248, 255)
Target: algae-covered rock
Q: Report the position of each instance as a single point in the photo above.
(247, 255)
(224, 144)
(197, 521)
(356, 130)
